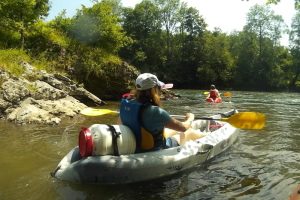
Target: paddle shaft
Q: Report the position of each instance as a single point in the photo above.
(242, 120)
(202, 118)
(225, 94)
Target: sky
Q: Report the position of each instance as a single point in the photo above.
(228, 15)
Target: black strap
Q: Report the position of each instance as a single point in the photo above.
(115, 136)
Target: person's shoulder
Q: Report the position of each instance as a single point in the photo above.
(153, 108)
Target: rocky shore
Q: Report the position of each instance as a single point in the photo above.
(44, 98)
(40, 97)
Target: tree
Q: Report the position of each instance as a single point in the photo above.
(143, 25)
(217, 65)
(244, 48)
(295, 49)
(265, 28)
(20, 15)
(263, 21)
(189, 42)
(99, 26)
(169, 11)
(297, 3)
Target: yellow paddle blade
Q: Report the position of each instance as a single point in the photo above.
(206, 93)
(227, 94)
(96, 112)
(247, 120)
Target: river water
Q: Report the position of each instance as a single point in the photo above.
(262, 164)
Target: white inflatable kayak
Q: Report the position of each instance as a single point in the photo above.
(109, 169)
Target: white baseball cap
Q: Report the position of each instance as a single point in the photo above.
(147, 81)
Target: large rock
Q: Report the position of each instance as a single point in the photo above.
(14, 91)
(45, 111)
(42, 90)
(40, 97)
(63, 83)
(3, 106)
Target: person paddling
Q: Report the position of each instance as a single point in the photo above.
(213, 94)
(153, 126)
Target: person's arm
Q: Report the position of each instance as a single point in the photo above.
(218, 93)
(179, 126)
(182, 131)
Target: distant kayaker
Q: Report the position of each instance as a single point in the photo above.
(213, 94)
(158, 129)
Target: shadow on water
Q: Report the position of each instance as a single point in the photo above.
(262, 164)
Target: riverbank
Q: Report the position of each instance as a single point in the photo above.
(37, 96)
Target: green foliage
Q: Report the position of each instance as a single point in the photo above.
(164, 37)
(55, 37)
(258, 63)
(295, 51)
(142, 21)
(32, 88)
(99, 27)
(218, 63)
(19, 15)
(48, 47)
(95, 61)
(9, 39)
(189, 47)
(263, 21)
(44, 39)
(61, 23)
(103, 73)
(143, 25)
(10, 61)
(297, 3)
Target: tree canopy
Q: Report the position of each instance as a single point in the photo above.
(104, 46)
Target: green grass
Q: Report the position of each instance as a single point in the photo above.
(32, 88)
(10, 60)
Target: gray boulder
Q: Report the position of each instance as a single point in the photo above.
(40, 97)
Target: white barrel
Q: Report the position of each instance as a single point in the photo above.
(103, 143)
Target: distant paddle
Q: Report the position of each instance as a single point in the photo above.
(242, 120)
(227, 94)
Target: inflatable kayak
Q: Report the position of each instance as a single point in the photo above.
(105, 168)
(211, 100)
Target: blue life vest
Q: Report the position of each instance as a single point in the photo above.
(130, 114)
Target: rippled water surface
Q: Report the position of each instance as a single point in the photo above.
(262, 164)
